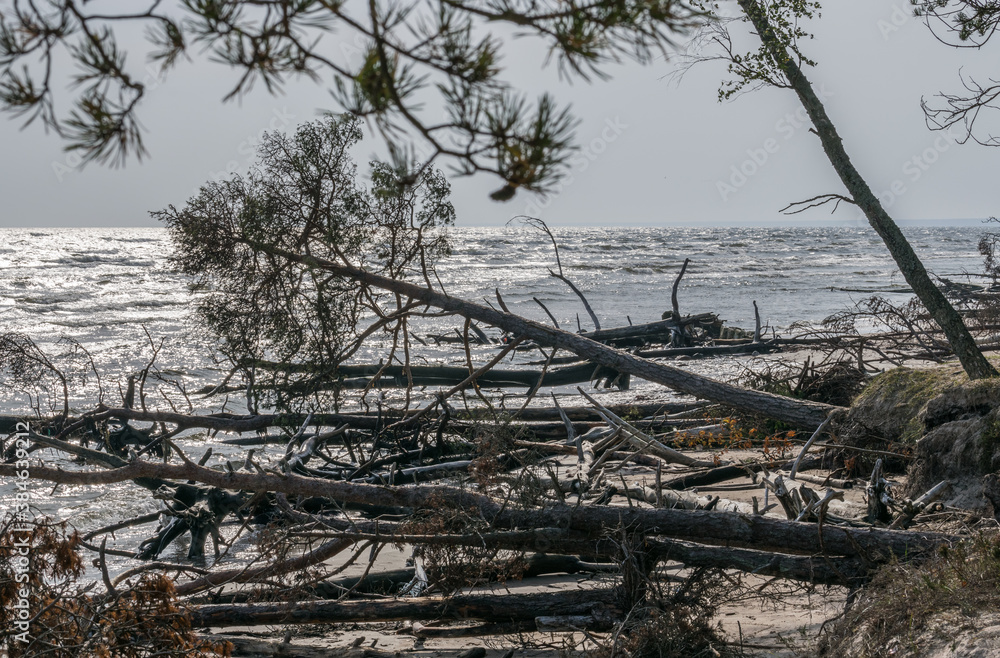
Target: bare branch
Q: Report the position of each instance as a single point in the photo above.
(815, 202)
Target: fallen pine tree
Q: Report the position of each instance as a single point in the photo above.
(592, 521)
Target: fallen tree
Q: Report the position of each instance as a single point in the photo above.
(799, 413)
(592, 521)
(501, 608)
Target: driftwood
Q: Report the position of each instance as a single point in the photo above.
(195, 509)
(911, 508)
(587, 413)
(392, 581)
(248, 423)
(651, 331)
(390, 376)
(360, 481)
(685, 500)
(697, 531)
(249, 575)
(248, 647)
(495, 607)
(674, 303)
(821, 570)
(879, 495)
(640, 440)
(763, 347)
(338, 471)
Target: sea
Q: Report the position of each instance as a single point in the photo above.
(114, 295)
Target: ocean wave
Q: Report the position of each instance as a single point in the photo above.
(84, 259)
(102, 321)
(48, 299)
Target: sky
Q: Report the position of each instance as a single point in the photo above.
(654, 151)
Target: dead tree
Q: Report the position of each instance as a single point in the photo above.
(795, 412)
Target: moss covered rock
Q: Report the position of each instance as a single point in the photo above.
(950, 424)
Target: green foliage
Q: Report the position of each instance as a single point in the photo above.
(302, 200)
(893, 400)
(386, 60)
(759, 67)
(970, 20)
(989, 441)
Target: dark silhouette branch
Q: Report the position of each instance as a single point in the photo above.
(815, 202)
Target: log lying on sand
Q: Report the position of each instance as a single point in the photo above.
(494, 607)
(659, 331)
(391, 581)
(821, 569)
(227, 422)
(397, 376)
(762, 347)
(594, 521)
(248, 647)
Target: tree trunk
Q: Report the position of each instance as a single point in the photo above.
(971, 358)
(493, 607)
(821, 569)
(760, 532)
(361, 376)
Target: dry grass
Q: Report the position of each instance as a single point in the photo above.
(904, 599)
(673, 632)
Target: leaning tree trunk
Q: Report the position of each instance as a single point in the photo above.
(972, 359)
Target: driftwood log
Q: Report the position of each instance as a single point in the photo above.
(598, 603)
(593, 521)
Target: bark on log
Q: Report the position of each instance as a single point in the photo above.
(674, 304)
(647, 331)
(716, 475)
(224, 422)
(879, 495)
(245, 647)
(587, 413)
(356, 376)
(640, 440)
(256, 422)
(476, 630)
(685, 500)
(492, 607)
(763, 347)
(388, 582)
(812, 569)
(910, 509)
(595, 521)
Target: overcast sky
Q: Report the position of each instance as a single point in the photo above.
(655, 152)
